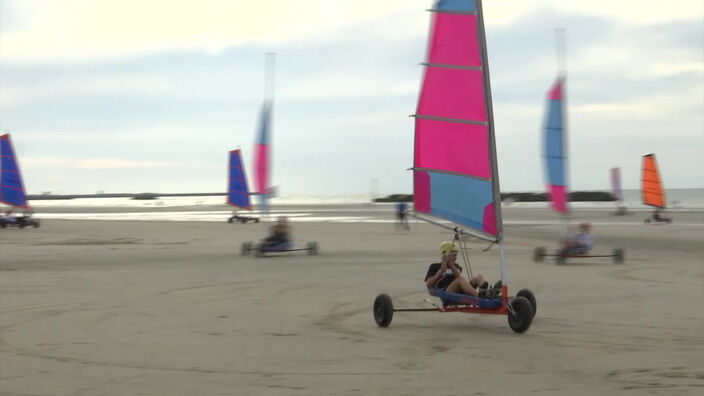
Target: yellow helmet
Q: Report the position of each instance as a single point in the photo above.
(447, 247)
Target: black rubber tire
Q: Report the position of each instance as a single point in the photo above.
(36, 224)
(256, 220)
(539, 254)
(3, 225)
(22, 225)
(618, 256)
(246, 248)
(383, 310)
(528, 295)
(312, 248)
(560, 258)
(520, 322)
(258, 252)
(229, 220)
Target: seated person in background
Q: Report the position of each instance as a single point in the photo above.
(447, 276)
(280, 234)
(9, 217)
(579, 242)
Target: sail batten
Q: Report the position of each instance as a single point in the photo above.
(446, 66)
(12, 190)
(455, 171)
(456, 120)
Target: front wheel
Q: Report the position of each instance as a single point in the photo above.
(538, 254)
(383, 310)
(522, 315)
(561, 257)
(527, 294)
(618, 256)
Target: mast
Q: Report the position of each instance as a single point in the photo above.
(481, 33)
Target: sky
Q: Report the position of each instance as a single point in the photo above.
(136, 96)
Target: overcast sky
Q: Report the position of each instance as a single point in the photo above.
(134, 95)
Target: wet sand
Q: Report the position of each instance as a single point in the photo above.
(172, 308)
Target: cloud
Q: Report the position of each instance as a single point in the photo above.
(172, 106)
(85, 29)
(64, 163)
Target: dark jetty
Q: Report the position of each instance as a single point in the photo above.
(576, 196)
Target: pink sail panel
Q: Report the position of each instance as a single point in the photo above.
(489, 221)
(446, 47)
(558, 197)
(421, 192)
(453, 147)
(555, 92)
(453, 93)
(261, 168)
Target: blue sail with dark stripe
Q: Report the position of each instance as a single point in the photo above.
(11, 187)
(237, 191)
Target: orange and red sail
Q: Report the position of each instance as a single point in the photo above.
(652, 191)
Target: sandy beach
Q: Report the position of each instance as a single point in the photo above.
(96, 307)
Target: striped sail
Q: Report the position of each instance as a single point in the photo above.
(616, 184)
(455, 170)
(262, 155)
(653, 193)
(554, 148)
(11, 187)
(237, 191)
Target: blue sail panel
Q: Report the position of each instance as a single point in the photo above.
(464, 200)
(11, 186)
(237, 192)
(456, 5)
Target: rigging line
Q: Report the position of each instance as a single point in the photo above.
(489, 247)
(465, 254)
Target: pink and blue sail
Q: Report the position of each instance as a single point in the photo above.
(616, 184)
(554, 148)
(237, 190)
(455, 166)
(262, 155)
(11, 187)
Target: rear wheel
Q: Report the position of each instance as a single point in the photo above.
(36, 224)
(229, 220)
(522, 315)
(538, 254)
(383, 310)
(246, 248)
(528, 295)
(312, 248)
(618, 256)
